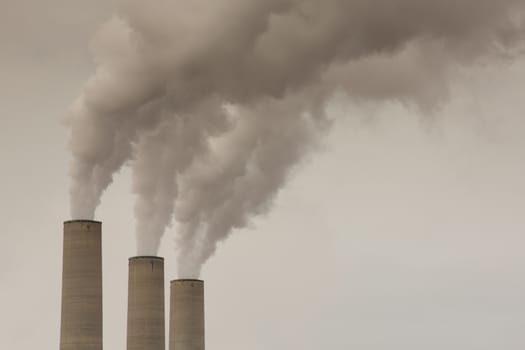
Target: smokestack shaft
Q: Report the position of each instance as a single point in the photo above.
(186, 315)
(81, 319)
(146, 322)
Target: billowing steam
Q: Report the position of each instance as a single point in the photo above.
(212, 103)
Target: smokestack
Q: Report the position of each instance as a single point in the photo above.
(187, 315)
(146, 323)
(81, 322)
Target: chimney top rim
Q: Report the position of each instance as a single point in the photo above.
(181, 280)
(146, 257)
(82, 221)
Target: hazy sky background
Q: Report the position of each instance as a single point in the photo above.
(402, 232)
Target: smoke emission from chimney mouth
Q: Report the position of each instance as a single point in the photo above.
(213, 104)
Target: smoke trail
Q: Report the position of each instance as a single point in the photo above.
(213, 103)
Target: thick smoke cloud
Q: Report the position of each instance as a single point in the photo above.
(214, 103)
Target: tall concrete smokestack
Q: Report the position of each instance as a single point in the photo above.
(81, 322)
(146, 323)
(187, 314)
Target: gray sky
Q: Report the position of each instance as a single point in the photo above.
(400, 233)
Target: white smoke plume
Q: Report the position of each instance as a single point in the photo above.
(213, 103)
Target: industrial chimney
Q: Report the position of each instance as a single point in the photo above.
(186, 315)
(146, 323)
(81, 319)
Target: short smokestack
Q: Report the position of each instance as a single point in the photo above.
(81, 319)
(146, 322)
(186, 315)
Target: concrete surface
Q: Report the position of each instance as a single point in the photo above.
(81, 322)
(146, 320)
(186, 315)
